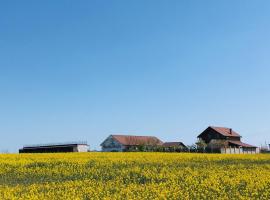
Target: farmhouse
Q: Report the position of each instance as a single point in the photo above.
(225, 140)
(56, 148)
(119, 143)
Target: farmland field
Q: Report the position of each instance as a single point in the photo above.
(134, 176)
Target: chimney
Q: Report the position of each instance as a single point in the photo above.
(230, 131)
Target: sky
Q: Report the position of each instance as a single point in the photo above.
(82, 70)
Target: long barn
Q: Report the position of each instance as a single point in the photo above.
(119, 143)
(56, 148)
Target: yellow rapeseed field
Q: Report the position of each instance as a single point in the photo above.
(134, 176)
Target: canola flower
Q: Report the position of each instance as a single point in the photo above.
(134, 176)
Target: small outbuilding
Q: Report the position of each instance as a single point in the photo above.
(174, 146)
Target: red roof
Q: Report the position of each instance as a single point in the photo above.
(173, 144)
(137, 140)
(239, 143)
(225, 131)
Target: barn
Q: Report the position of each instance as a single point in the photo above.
(120, 143)
(56, 148)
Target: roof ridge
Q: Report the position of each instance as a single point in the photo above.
(133, 135)
(220, 127)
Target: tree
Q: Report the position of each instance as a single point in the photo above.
(201, 145)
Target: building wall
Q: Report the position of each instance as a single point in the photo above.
(234, 138)
(210, 134)
(217, 143)
(110, 144)
(112, 149)
(240, 150)
(81, 148)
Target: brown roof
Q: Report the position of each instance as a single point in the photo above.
(239, 143)
(225, 131)
(173, 144)
(137, 140)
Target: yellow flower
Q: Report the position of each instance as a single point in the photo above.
(134, 176)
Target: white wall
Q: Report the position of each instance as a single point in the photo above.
(81, 148)
(238, 151)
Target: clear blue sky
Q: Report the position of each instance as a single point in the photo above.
(81, 70)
